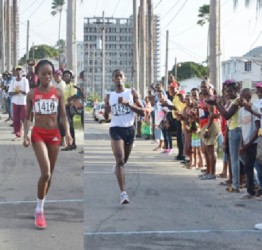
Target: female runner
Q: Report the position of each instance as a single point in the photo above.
(45, 136)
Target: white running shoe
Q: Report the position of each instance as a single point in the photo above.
(258, 226)
(124, 198)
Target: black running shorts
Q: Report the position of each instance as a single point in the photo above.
(125, 134)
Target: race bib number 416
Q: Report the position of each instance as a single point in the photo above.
(46, 106)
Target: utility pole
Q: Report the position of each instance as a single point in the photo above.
(135, 50)
(71, 36)
(8, 36)
(214, 43)
(150, 17)
(93, 72)
(166, 66)
(143, 48)
(15, 32)
(2, 36)
(27, 40)
(103, 58)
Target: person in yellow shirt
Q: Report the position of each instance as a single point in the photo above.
(177, 108)
(69, 92)
(232, 88)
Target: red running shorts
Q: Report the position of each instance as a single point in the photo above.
(48, 136)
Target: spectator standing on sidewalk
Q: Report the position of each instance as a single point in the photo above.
(45, 136)
(123, 104)
(18, 89)
(234, 133)
(177, 107)
(59, 83)
(210, 127)
(69, 91)
(248, 147)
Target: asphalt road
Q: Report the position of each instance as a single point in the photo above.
(170, 207)
(19, 173)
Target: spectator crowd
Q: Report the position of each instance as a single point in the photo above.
(207, 126)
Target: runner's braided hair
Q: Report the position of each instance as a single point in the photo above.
(44, 62)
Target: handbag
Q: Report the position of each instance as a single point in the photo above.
(164, 124)
(146, 129)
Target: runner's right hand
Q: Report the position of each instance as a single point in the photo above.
(26, 142)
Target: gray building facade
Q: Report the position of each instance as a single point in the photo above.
(118, 51)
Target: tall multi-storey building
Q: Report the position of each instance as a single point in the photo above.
(118, 50)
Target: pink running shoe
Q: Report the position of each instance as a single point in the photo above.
(40, 220)
(165, 151)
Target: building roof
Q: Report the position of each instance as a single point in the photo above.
(256, 52)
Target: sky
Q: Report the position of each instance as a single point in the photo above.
(241, 28)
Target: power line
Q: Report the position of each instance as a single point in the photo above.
(36, 9)
(96, 8)
(176, 14)
(115, 8)
(187, 51)
(157, 4)
(40, 35)
(28, 8)
(165, 15)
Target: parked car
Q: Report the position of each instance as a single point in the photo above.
(98, 112)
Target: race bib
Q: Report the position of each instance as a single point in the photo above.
(120, 109)
(46, 106)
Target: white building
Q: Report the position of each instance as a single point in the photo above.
(190, 83)
(246, 69)
(80, 56)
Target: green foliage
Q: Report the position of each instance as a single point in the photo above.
(189, 69)
(57, 6)
(203, 14)
(40, 51)
(92, 98)
(128, 85)
(61, 44)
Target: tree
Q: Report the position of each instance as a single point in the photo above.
(203, 14)
(61, 45)
(189, 69)
(57, 7)
(40, 52)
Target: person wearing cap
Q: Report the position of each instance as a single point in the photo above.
(177, 108)
(18, 89)
(69, 91)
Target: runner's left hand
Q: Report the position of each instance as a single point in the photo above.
(69, 139)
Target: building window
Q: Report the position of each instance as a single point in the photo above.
(248, 66)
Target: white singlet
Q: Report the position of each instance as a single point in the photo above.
(122, 115)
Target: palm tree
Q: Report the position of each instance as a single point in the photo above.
(57, 8)
(203, 14)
